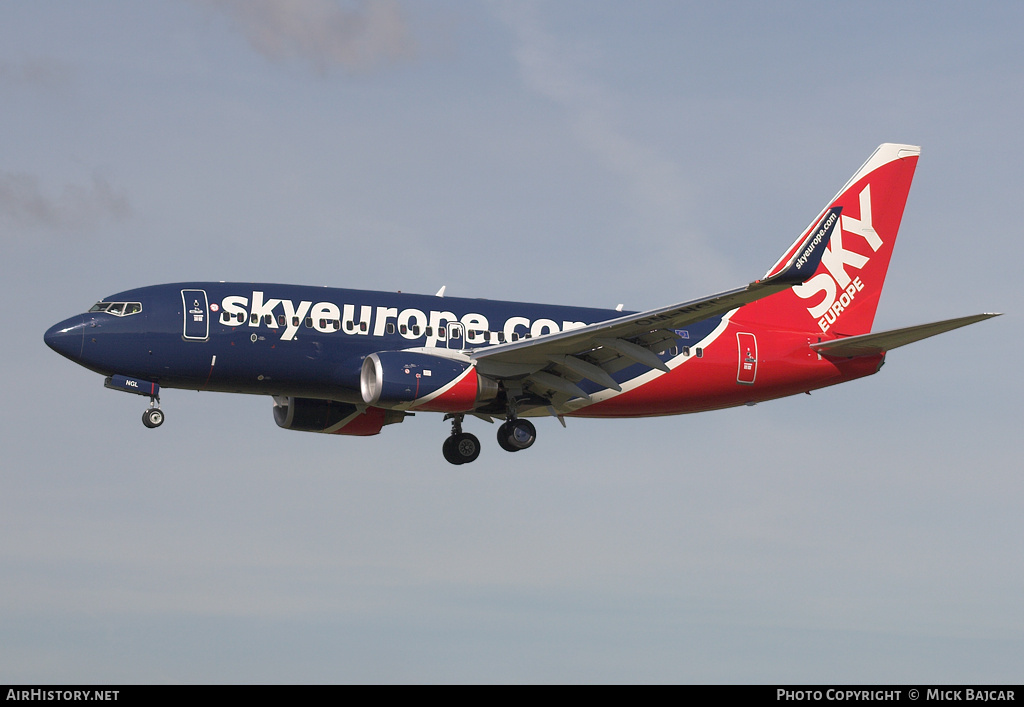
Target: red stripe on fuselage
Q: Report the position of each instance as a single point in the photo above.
(786, 365)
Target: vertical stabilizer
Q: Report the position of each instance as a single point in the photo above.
(841, 297)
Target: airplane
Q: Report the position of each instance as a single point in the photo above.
(350, 362)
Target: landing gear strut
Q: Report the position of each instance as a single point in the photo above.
(153, 416)
(460, 447)
(515, 434)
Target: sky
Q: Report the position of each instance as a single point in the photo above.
(584, 153)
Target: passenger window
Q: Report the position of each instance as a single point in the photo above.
(429, 331)
(268, 319)
(254, 319)
(349, 326)
(337, 324)
(515, 336)
(416, 329)
(440, 333)
(501, 337)
(700, 352)
(280, 320)
(686, 351)
(295, 321)
(362, 326)
(241, 317)
(402, 329)
(309, 322)
(323, 323)
(391, 328)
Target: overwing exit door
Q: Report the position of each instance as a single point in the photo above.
(456, 335)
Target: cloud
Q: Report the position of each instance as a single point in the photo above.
(656, 188)
(24, 205)
(354, 36)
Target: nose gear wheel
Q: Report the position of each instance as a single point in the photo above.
(153, 417)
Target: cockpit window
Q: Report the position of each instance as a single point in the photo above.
(118, 309)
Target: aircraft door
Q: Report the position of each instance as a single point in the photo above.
(196, 311)
(456, 335)
(747, 371)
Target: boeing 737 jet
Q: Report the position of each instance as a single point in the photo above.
(349, 362)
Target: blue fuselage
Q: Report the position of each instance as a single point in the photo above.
(285, 339)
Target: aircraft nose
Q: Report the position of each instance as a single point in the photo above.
(67, 337)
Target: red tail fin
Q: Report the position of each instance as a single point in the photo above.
(842, 295)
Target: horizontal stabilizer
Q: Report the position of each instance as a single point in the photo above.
(870, 344)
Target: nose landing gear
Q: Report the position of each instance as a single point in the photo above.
(153, 416)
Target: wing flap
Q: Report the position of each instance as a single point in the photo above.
(587, 370)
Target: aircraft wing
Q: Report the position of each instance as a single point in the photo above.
(619, 331)
(640, 336)
(880, 342)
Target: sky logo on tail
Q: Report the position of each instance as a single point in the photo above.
(838, 286)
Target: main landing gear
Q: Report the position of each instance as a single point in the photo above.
(153, 416)
(513, 435)
(516, 434)
(460, 447)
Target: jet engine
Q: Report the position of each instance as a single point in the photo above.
(332, 416)
(420, 381)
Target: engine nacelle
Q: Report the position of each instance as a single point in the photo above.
(419, 381)
(331, 416)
